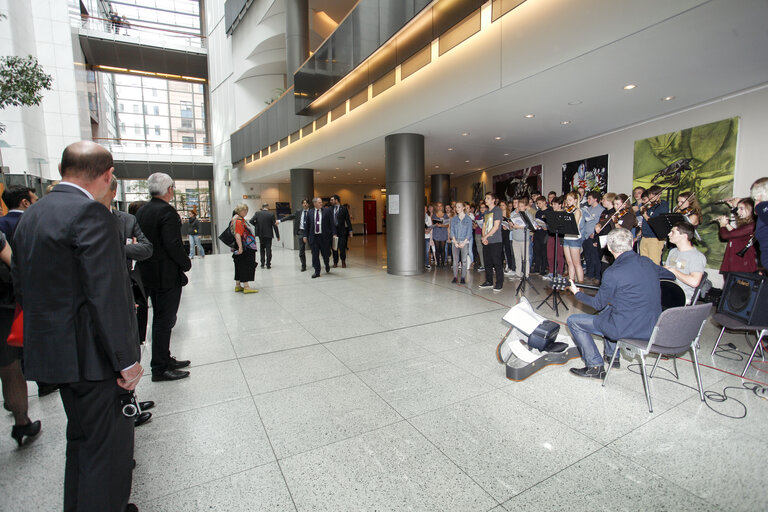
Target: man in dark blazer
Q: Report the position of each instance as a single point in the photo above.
(264, 223)
(137, 248)
(628, 301)
(320, 233)
(343, 228)
(17, 199)
(300, 228)
(163, 273)
(70, 276)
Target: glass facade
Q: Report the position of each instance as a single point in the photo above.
(189, 194)
(158, 113)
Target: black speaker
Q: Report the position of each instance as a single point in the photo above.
(745, 298)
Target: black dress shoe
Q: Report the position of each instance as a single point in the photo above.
(141, 419)
(46, 389)
(316, 274)
(131, 508)
(616, 363)
(269, 265)
(327, 270)
(592, 372)
(30, 430)
(303, 269)
(169, 375)
(147, 405)
(173, 364)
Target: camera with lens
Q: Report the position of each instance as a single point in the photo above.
(128, 404)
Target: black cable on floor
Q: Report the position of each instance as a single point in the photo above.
(712, 396)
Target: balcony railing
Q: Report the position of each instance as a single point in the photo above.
(140, 33)
(160, 148)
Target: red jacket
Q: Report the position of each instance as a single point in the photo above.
(736, 240)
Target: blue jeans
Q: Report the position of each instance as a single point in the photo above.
(194, 241)
(582, 328)
(426, 252)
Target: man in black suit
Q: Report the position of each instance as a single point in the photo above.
(137, 248)
(70, 276)
(163, 273)
(320, 232)
(300, 229)
(264, 223)
(343, 228)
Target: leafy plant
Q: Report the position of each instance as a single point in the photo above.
(22, 80)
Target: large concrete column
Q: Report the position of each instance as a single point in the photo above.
(440, 188)
(404, 162)
(302, 185)
(296, 36)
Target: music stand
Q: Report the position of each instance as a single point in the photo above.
(526, 276)
(559, 223)
(663, 224)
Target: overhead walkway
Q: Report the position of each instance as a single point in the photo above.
(133, 46)
(137, 159)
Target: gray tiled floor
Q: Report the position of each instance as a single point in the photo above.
(364, 391)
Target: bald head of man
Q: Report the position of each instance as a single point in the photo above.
(88, 165)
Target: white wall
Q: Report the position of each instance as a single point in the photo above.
(750, 107)
(38, 135)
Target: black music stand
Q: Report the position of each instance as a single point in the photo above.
(526, 276)
(558, 223)
(663, 224)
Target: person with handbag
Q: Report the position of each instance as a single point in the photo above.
(244, 255)
(14, 384)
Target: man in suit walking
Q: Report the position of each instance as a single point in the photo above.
(163, 273)
(343, 228)
(300, 230)
(80, 332)
(265, 223)
(320, 233)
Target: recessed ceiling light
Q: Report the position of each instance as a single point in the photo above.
(565, 122)
(529, 116)
(629, 87)
(359, 163)
(506, 154)
(667, 98)
(498, 138)
(437, 167)
(574, 102)
(334, 177)
(466, 161)
(453, 173)
(450, 149)
(366, 169)
(465, 134)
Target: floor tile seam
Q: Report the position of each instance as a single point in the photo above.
(200, 484)
(403, 328)
(663, 477)
(294, 386)
(278, 351)
(156, 414)
(549, 477)
(451, 404)
(340, 440)
(557, 420)
(455, 463)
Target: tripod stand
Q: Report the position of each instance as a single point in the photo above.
(558, 223)
(526, 276)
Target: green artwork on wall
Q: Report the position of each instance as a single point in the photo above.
(711, 149)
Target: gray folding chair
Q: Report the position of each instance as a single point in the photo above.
(677, 331)
(702, 289)
(733, 324)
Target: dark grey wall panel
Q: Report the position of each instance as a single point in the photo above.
(232, 9)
